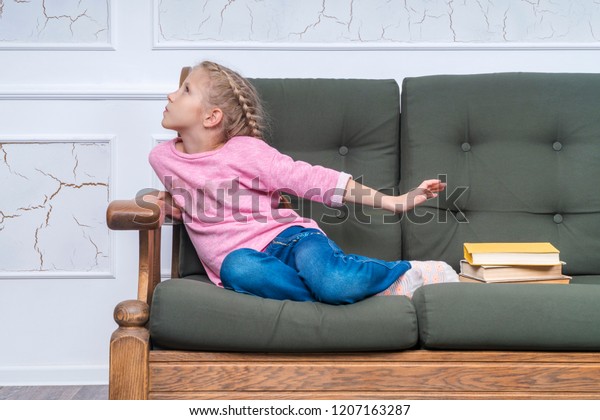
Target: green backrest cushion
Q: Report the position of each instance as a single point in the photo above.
(526, 145)
(348, 125)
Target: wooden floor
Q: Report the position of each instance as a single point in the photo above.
(90, 392)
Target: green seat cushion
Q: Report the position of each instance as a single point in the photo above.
(592, 279)
(509, 316)
(188, 314)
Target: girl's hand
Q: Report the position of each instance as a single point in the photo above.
(426, 190)
(167, 206)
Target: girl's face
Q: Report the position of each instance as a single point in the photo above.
(187, 106)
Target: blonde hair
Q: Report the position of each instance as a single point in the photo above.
(243, 114)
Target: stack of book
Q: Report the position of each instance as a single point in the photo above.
(522, 262)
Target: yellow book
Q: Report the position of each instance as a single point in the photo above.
(511, 253)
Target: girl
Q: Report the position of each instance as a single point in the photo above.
(224, 181)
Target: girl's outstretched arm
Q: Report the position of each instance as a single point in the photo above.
(358, 193)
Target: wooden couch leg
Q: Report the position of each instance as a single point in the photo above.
(129, 352)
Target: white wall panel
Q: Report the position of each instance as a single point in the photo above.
(374, 23)
(55, 192)
(47, 24)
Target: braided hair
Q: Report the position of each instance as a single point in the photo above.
(243, 114)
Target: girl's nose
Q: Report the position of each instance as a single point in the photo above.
(170, 96)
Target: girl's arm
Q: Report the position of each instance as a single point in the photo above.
(358, 193)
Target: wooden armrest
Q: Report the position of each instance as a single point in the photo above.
(145, 216)
(136, 214)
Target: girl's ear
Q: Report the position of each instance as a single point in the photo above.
(213, 118)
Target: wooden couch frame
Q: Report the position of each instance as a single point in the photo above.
(139, 372)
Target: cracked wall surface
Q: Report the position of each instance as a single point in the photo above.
(54, 197)
(54, 21)
(368, 21)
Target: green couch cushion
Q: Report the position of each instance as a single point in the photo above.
(527, 147)
(195, 315)
(509, 316)
(586, 280)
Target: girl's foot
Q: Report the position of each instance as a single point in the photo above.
(421, 273)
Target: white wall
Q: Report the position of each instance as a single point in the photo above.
(82, 88)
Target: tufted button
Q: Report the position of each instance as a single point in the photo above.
(557, 218)
(557, 146)
(465, 146)
(343, 150)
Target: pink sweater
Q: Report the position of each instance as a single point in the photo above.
(230, 196)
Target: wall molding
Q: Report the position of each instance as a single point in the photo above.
(167, 234)
(57, 138)
(57, 46)
(368, 46)
(57, 275)
(83, 94)
(108, 139)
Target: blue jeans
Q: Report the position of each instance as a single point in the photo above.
(302, 264)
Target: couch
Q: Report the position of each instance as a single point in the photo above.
(519, 153)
